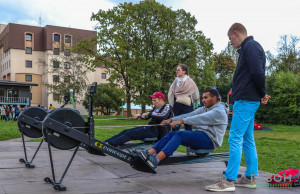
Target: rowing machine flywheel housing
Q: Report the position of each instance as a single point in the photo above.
(36, 115)
(63, 119)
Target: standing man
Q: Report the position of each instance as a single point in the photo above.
(248, 91)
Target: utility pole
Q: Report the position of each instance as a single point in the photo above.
(40, 21)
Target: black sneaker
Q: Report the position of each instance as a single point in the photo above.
(150, 159)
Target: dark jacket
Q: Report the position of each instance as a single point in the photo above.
(249, 77)
(164, 113)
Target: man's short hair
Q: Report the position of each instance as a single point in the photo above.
(237, 27)
(212, 93)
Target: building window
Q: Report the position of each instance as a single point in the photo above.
(28, 50)
(28, 37)
(28, 64)
(28, 78)
(55, 78)
(67, 65)
(55, 97)
(67, 79)
(67, 52)
(56, 51)
(103, 75)
(103, 66)
(55, 64)
(67, 39)
(56, 37)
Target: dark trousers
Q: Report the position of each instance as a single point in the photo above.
(137, 133)
(180, 109)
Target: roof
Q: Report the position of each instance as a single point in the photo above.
(11, 83)
(134, 106)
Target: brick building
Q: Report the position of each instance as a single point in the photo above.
(23, 47)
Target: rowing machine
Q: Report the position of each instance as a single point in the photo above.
(30, 125)
(66, 129)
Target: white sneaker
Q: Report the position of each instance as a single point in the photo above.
(245, 182)
(222, 185)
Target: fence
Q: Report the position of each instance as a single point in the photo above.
(14, 100)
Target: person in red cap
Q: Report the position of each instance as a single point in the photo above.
(160, 112)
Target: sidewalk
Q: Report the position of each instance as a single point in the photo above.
(98, 174)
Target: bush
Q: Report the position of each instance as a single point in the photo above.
(284, 105)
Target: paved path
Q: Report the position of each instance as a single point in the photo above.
(97, 174)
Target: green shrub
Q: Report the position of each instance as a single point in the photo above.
(284, 105)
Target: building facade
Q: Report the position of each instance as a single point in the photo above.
(27, 52)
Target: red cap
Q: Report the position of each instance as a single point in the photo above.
(158, 95)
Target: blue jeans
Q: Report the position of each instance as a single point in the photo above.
(194, 139)
(180, 109)
(241, 138)
(137, 133)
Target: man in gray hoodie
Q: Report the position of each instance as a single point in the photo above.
(211, 121)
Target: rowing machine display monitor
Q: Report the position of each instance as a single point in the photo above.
(67, 97)
(93, 88)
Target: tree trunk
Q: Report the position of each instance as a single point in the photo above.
(143, 108)
(128, 103)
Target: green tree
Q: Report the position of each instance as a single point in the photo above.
(66, 72)
(284, 105)
(141, 45)
(224, 70)
(231, 51)
(288, 58)
(107, 99)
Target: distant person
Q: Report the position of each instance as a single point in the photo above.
(248, 91)
(183, 93)
(13, 113)
(7, 113)
(51, 107)
(17, 111)
(3, 112)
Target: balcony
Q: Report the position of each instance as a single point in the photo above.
(14, 100)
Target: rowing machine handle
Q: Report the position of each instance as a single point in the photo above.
(177, 127)
(140, 117)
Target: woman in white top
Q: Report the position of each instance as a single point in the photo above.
(183, 93)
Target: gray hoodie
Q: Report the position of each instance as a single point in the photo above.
(212, 121)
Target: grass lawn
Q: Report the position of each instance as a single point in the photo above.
(8, 130)
(277, 149)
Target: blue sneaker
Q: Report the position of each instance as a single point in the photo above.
(152, 160)
(145, 153)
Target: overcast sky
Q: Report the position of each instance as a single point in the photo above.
(266, 20)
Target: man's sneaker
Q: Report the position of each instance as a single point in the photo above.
(245, 182)
(145, 153)
(152, 160)
(223, 185)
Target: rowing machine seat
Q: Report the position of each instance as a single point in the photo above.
(198, 152)
(150, 140)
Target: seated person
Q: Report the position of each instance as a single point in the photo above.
(160, 112)
(210, 120)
